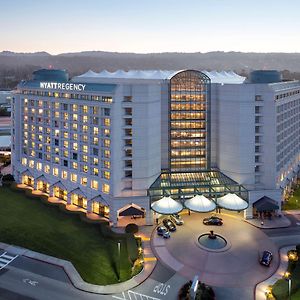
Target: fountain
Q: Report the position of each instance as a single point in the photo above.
(212, 241)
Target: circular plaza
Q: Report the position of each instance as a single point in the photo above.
(237, 265)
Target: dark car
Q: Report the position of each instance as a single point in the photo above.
(213, 221)
(215, 217)
(163, 231)
(266, 258)
(169, 224)
(176, 218)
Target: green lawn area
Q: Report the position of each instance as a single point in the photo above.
(32, 224)
(293, 202)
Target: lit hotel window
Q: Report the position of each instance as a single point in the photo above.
(94, 184)
(84, 181)
(107, 122)
(24, 161)
(75, 165)
(74, 177)
(106, 164)
(75, 146)
(95, 171)
(64, 174)
(106, 174)
(55, 171)
(96, 130)
(39, 166)
(105, 188)
(47, 168)
(85, 168)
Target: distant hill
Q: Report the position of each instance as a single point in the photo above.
(20, 65)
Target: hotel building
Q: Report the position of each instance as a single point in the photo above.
(112, 143)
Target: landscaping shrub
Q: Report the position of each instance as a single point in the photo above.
(8, 177)
(204, 292)
(132, 247)
(131, 228)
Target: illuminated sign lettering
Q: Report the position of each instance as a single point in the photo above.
(63, 86)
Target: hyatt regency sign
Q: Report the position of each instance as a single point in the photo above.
(63, 86)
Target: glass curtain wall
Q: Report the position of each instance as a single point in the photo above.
(189, 122)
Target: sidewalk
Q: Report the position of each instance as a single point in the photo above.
(77, 281)
(263, 286)
(275, 222)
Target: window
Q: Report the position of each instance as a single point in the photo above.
(75, 156)
(95, 171)
(258, 98)
(106, 174)
(39, 166)
(47, 169)
(55, 171)
(105, 188)
(64, 174)
(75, 165)
(94, 184)
(83, 181)
(85, 148)
(65, 163)
(24, 161)
(74, 177)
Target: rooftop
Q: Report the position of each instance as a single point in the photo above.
(215, 76)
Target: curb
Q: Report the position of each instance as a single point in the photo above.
(74, 276)
(278, 266)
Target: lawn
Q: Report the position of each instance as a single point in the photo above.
(32, 224)
(293, 202)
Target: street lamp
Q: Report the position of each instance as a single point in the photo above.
(287, 276)
(119, 259)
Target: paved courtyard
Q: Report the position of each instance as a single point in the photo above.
(236, 267)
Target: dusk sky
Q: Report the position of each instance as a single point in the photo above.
(145, 26)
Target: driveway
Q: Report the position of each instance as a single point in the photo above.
(236, 267)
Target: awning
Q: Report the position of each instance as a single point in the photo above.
(199, 203)
(265, 204)
(232, 202)
(166, 206)
(131, 211)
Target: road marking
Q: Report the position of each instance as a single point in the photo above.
(31, 282)
(162, 289)
(130, 295)
(6, 259)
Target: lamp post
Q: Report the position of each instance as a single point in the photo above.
(287, 276)
(119, 260)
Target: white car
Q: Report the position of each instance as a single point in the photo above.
(177, 219)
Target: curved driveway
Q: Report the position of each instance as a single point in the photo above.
(236, 267)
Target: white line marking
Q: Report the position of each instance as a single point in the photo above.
(134, 296)
(6, 259)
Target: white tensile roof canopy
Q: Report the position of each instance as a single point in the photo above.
(232, 202)
(200, 203)
(166, 206)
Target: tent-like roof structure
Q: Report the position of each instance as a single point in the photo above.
(215, 76)
(200, 203)
(265, 204)
(131, 211)
(232, 202)
(166, 206)
(59, 185)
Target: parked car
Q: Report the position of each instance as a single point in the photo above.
(213, 221)
(176, 218)
(163, 231)
(216, 217)
(169, 224)
(266, 258)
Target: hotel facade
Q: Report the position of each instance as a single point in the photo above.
(113, 143)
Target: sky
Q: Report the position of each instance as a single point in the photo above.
(148, 26)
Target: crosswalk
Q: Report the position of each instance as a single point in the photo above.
(6, 259)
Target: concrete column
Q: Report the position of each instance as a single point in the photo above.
(149, 217)
(69, 200)
(51, 191)
(113, 217)
(248, 213)
(35, 185)
(89, 206)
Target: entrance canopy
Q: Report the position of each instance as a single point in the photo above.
(167, 206)
(200, 203)
(232, 202)
(131, 211)
(210, 183)
(265, 204)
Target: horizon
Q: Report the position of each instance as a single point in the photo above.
(142, 27)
